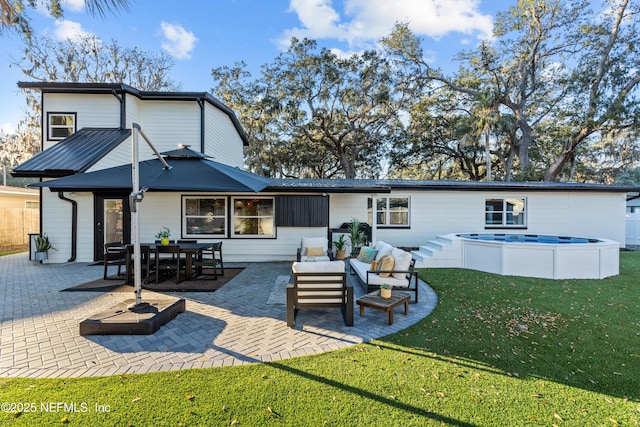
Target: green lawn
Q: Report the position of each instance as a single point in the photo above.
(495, 351)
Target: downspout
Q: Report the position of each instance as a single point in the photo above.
(74, 224)
(201, 104)
(122, 109)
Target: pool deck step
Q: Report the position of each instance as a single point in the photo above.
(443, 251)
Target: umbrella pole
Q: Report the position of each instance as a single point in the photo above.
(134, 199)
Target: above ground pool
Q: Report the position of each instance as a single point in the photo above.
(532, 238)
(544, 256)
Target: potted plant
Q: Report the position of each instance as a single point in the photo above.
(356, 235)
(42, 247)
(340, 247)
(164, 235)
(385, 290)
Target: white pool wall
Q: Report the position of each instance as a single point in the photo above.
(543, 260)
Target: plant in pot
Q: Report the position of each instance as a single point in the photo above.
(356, 235)
(340, 247)
(385, 290)
(42, 247)
(164, 235)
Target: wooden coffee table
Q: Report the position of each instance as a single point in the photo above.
(375, 301)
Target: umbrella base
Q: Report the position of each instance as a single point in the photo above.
(141, 319)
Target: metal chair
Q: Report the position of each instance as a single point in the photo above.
(210, 259)
(114, 255)
(175, 263)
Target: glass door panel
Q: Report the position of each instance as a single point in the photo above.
(113, 221)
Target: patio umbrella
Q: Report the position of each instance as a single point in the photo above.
(190, 171)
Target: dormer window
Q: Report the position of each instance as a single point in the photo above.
(60, 125)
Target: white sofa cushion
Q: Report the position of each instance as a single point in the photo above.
(402, 262)
(383, 249)
(361, 268)
(319, 267)
(314, 242)
(324, 258)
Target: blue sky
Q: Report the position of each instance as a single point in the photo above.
(205, 34)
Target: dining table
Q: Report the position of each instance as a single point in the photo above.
(191, 249)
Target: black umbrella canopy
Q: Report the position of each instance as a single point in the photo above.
(190, 171)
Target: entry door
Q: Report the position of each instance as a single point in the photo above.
(112, 221)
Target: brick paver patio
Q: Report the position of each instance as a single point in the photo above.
(40, 325)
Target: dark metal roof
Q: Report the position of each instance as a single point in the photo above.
(328, 185)
(184, 152)
(386, 185)
(185, 174)
(120, 88)
(74, 154)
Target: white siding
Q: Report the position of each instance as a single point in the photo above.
(133, 107)
(222, 141)
(101, 111)
(121, 155)
(57, 224)
(583, 214)
(169, 124)
(344, 207)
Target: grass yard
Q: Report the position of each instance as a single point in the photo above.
(496, 351)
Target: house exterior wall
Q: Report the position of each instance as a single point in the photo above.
(133, 109)
(93, 110)
(222, 141)
(168, 124)
(17, 197)
(432, 213)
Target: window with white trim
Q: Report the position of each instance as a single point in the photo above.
(253, 217)
(507, 213)
(391, 211)
(60, 125)
(204, 216)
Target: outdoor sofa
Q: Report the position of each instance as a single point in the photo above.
(401, 276)
(319, 285)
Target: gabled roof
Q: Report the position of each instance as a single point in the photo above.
(120, 88)
(74, 154)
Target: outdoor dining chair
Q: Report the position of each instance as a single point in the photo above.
(172, 264)
(210, 261)
(114, 255)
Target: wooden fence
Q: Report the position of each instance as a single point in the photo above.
(16, 224)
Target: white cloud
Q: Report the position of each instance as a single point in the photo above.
(69, 30)
(73, 5)
(364, 21)
(178, 42)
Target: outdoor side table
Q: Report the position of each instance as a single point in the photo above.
(375, 301)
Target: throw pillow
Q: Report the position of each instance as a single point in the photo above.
(315, 251)
(374, 264)
(367, 254)
(403, 261)
(386, 263)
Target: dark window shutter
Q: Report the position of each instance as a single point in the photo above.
(302, 211)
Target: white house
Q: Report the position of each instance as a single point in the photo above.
(87, 150)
